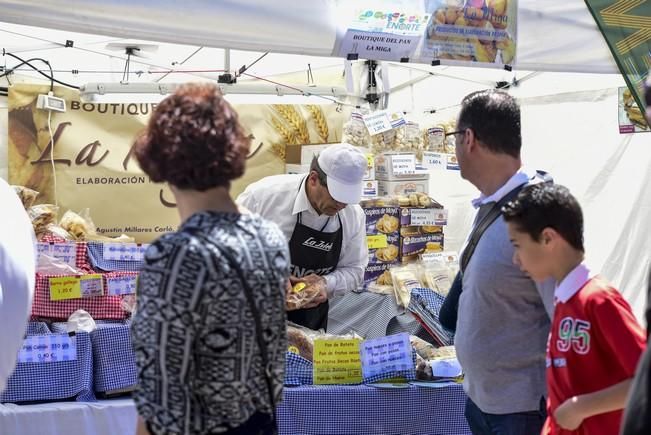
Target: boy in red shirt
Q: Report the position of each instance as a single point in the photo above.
(595, 342)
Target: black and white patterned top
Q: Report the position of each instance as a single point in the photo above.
(199, 365)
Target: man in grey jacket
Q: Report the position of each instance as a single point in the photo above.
(503, 317)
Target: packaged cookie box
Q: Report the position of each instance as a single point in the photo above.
(412, 246)
(377, 276)
(402, 187)
(381, 220)
(387, 253)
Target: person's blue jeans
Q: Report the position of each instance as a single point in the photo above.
(520, 423)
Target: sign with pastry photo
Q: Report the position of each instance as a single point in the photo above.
(630, 117)
(477, 31)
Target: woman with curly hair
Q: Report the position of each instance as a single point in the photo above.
(209, 332)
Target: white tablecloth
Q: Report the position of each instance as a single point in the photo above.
(106, 417)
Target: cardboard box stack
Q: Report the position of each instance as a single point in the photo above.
(399, 174)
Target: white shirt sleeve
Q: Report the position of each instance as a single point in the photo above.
(17, 276)
(247, 200)
(352, 262)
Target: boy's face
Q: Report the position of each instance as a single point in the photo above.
(530, 256)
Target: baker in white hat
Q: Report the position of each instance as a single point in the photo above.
(323, 223)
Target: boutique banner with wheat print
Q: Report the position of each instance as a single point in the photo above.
(93, 165)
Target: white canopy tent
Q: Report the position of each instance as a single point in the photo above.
(567, 88)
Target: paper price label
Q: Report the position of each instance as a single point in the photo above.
(124, 251)
(386, 355)
(429, 216)
(337, 362)
(48, 348)
(376, 242)
(434, 160)
(91, 285)
(403, 164)
(121, 285)
(64, 252)
(64, 287)
(377, 122)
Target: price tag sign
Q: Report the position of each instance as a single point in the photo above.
(445, 257)
(64, 287)
(91, 285)
(377, 122)
(124, 251)
(376, 242)
(64, 252)
(386, 355)
(121, 285)
(434, 160)
(337, 362)
(403, 164)
(48, 348)
(429, 216)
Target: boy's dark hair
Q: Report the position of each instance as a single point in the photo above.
(494, 117)
(545, 205)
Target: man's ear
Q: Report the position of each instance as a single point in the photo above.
(313, 178)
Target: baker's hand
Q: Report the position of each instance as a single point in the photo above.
(569, 415)
(315, 283)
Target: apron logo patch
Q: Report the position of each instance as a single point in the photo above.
(300, 272)
(317, 244)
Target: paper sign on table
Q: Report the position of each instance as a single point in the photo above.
(377, 241)
(65, 252)
(337, 362)
(48, 348)
(124, 251)
(91, 285)
(64, 287)
(386, 355)
(121, 285)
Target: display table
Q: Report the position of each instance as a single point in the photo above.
(105, 417)
(313, 410)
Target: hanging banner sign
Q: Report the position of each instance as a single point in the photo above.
(91, 150)
(626, 27)
(379, 34)
(482, 31)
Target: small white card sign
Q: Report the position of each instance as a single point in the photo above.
(403, 164)
(91, 285)
(65, 252)
(124, 251)
(48, 348)
(377, 122)
(386, 355)
(121, 285)
(434, 160)
(429, 216)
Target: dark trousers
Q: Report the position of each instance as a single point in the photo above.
(520, 423)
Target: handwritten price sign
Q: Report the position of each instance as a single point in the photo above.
(48, 348)
(65, 252)
(124, 251)
(121, 285)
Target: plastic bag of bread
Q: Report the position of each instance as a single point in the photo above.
(78, 225)
(27, 196)
(355, 131)
(437, 275)
(299, 342)
(41, 216)
(405, 279)
(300, 295)
(57, 231)
(53, 266)
(424, 349)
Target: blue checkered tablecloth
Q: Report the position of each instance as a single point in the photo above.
(97, 261)
(36, 381)
(425, 304)
(37, 328)
(114, 360)
(298, 370)
(371, 315)
(367, 410)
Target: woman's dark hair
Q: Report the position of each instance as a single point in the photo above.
(193, 140)
(546, 205)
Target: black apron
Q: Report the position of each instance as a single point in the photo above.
(313, 251)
